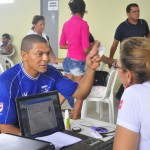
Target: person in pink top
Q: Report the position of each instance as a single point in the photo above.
(75, 37)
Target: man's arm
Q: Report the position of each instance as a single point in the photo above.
(125, 139)
(92, 62)
(108, 60)
(5, 128)
(113, 48)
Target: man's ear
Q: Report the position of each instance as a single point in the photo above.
(24, 55)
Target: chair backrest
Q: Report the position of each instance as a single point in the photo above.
(110, 83)
(6, 62)
(1, 69)
(12, 53)
(101, 51)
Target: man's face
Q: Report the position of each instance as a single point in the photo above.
(5, 40)
(37, 59)
(134, 13)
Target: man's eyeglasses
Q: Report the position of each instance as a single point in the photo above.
(115, 66)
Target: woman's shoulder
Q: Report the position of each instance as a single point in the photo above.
(31, 32)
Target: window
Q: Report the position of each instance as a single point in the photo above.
(6, 1)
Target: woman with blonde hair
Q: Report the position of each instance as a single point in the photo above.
(133, 121)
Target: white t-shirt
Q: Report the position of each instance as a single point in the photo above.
(134, 112)
(43, 34)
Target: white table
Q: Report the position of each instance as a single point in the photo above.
(92, 122)
(57, 66)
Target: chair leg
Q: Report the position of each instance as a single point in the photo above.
(111, 112)
(97, 107)
(84, 109)
(101, 110)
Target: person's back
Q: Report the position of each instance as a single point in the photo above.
(75, 37)
(136, 109)
(133, 66)
(74, 30)
(75, 33)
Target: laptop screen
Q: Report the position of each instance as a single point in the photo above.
(39, 114)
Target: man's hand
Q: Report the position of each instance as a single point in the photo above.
(93, 58)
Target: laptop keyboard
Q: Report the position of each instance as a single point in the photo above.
(89, 143)
(81, 136)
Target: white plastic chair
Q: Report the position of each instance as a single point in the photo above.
(103, 95)
(1, 69)
(11, 54)
(6, 62)
(101, 50)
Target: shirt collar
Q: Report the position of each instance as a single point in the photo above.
(139, 22)
(76, 17)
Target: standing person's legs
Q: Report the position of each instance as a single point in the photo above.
(77, 69)
(68, 74)
(74, 70)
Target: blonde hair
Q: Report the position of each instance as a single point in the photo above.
(135, 56)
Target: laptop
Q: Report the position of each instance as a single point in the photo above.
(40, 115)
(14, 142)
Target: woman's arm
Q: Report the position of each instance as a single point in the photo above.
(125, 139)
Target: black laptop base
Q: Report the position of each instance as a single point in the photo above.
(14, 142)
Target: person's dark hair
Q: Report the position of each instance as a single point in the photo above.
(36, 19)
(91, 38)
(128, 8)
(77, 6)
(6, 36)
(135, 56)
(29, 40)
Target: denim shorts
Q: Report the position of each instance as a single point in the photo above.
(74, 67)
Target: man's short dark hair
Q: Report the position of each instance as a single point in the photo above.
(29, 40)
(128, 8)
(7, 36)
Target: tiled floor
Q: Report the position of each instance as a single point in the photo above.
(92, 113)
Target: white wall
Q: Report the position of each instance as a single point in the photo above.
(103, 17)
(16, 19)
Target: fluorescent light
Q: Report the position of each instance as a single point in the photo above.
(6, 1)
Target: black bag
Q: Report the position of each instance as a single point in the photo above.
(101, 78)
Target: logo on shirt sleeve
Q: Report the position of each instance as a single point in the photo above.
(1, 107)
(120, 105)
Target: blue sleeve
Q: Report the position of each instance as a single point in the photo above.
(64, 85)
(8, 113)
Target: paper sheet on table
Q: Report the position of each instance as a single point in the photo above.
(60, 139)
